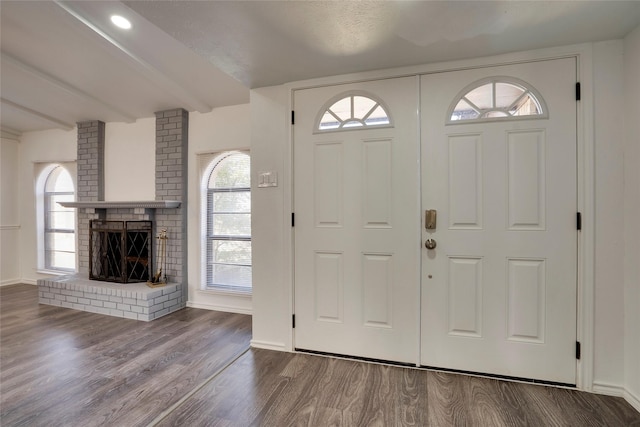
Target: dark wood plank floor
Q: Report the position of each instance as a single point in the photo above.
(266, 388)
(62, 367)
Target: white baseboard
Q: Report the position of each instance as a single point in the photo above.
(267, 345)
(617, 391)
(216, 307)
(608, 389)
(632, 399)
(8, 282)
(29, 281)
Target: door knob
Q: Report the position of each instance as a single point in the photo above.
(430, 244)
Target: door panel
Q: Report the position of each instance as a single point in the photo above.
(499, 289)
(357, 231)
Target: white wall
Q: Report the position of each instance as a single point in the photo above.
(271, 227)
(632, 217)
(10, 221)
(608, 96)
(130, 160)
(223, 129)
(36, 148)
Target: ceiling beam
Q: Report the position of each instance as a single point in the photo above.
(9, 133)
(189, 101)
(48, 78)
(59, 123)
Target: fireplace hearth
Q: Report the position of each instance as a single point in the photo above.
(120, 251)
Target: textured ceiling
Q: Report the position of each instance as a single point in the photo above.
(63, 62)
(264, 43)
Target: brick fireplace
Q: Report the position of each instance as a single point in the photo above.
(168, 211)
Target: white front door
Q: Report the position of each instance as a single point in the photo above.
(357, 226)
(499, 289)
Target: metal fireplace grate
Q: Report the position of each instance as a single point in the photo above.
(120, 251)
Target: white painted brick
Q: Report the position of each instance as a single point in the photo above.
(96, 303)
(84, 301)
(44, 301)
(118, 313)
(129, 315)
(124, 307)
(129, 301)
(60, 297)
(155, 308)
(160, 299)
(108, 304)
(72, 299)
(115, 299)
(79, 307)
(66, 304)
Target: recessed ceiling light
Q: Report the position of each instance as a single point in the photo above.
(121, 22)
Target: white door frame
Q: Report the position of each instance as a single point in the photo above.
(585, 164)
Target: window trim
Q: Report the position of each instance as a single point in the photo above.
(208, 162)
(42, 173)
(497, 79)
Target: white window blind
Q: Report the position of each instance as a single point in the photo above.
(59, 222)
(226, 222)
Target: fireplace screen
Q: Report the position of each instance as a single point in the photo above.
(120, 251)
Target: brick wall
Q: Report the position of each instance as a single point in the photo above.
(172, 131)
(90, 182)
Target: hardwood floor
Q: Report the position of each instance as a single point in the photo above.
(61, 367)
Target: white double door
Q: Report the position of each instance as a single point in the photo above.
(498, 292)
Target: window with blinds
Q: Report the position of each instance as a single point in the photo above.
(59, 222)
(226, 210)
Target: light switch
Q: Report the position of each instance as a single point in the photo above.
(268, 179)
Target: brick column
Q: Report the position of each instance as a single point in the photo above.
(91, 138)
(172, 132)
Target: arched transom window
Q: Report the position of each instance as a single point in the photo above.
(353, 110)
(497, 98)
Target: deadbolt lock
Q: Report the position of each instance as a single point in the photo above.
(430, 219)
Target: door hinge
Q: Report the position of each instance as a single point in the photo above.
(293, 321)
(293, 117)
(578, 91)
(578, 350)
(293, 219)
(579, 221)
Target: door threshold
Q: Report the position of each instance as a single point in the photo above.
(437, 369)
(357, 358)
(498, 377)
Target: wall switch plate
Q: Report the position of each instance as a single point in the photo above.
(268, 179)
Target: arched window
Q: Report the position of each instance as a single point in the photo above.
(353, 110)
(226, 205)
(59, 222)
(496, 98)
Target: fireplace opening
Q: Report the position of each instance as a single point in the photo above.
(120, 251)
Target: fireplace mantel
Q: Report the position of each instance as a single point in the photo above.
(151, 204)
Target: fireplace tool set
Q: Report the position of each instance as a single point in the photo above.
(160, 276)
